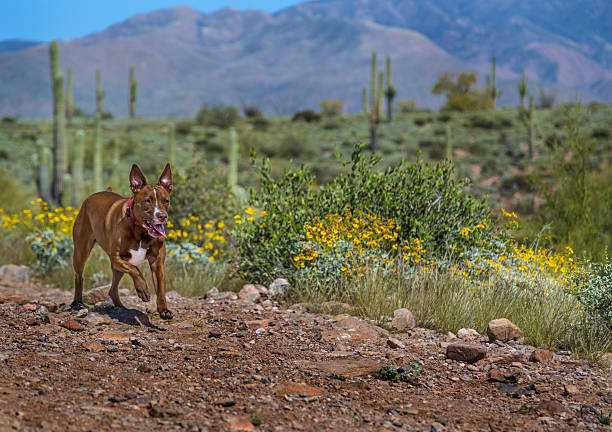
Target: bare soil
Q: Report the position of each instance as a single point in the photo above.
(228, 364)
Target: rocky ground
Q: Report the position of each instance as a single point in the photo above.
(229, 363)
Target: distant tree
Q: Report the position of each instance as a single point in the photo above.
(522, 88)
(331, 107)
(407, 105)
(460, 96)
(547, 97)
(221, 116)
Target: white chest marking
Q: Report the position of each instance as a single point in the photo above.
(138, 256)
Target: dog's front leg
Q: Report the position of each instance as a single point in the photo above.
(123, 266)
(159, 279)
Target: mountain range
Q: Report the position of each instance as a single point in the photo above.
(316, 50)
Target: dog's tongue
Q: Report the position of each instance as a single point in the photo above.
(158, 230)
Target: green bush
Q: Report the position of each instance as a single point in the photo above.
(53, 250)
(425, 200)
(202, 192)
(307, 116)
(221, 116)
(594, 289)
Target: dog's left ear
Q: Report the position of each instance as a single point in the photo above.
(165, 180)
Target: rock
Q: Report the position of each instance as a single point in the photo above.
(92, 346)
(51, 307)
(72, 325)
(226, 295)
(502, 376)
(468, 334)
(465, 352)
(262, 289)
(14, 274)
(395, 343)
(257, 324)
(551, 407)
(402, 319)
(96, 295)
(143, 367)
(606, 361)
(541, 356)
(511, 390)
(239, 422)
(225, 402)
(336, 307)
(173, 294)
(249, 293)
(95, 318)
(114, 335)
(211, 293)
(570, 390)
(279, 287)
(2, 298)
(503, 330)
(30, 307)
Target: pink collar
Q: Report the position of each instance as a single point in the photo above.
(128, 213)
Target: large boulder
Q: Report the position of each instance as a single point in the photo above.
(465, 352)
(278, 288)
(249, 293)
(503, 330)
(402, 319)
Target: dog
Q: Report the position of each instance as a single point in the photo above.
(130, 230)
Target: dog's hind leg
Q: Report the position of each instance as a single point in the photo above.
(114, 291)
(84, 241)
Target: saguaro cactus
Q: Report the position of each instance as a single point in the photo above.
(42, 176)
(115, 178)
(59, 125)
(232, 170)
(97, 155)
(172, 145)
(376, 100)
(133, 91)
(522, 88)
(448, 145)
(69, 100)
(99, 92)
(390, 91)
(68, 193)
(531, 126)
(78, 161)
(495, 92)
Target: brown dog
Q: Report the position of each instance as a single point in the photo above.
(130, 231)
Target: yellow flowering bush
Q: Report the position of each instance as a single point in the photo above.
(193, 240)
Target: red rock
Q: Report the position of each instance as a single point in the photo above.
(395, 343)
(51, 307)
(503, 330)
(570, 390)
(256, 324)
(465, 352)
(402, 319)
(92, 346)
(541, 356)
(29, 307)
(114, 335)
(239, 422)
(249, 293)
(344, 367)
(551, 407)
(72, 325)
(96, 295)
(2, 298)
(18, 299)
(350, 328)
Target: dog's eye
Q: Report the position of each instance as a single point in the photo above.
(167, 201)
(148, 201)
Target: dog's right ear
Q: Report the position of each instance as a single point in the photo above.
(137, 179)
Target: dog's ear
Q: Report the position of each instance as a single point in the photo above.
(137, 179)
(165, 180)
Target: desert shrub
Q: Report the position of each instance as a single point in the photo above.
(422, 121)
(107, 115)
(12, 194)
(183, 127)
(53, 250)
(546, 97)
(407, 105)
(8, 120)
(221, 116)
(593, 288)
(460, 96)
(601, 133)
(202, 192)
(307, 116)
(331, 107)
(251, 112)
(425, 201)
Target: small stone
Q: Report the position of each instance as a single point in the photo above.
(92, 346)
(503, 330)
(606, 361)
(395, 343)
(467, 334)
(541, 356)
(541, 388)
(211, 293)
(239, 423)
(502, 376)
(112, 348)
(465, 352)
(51, 307)
(279, 287)
(214, 333)
(30, 307)
(402, 319)
(96, 295)
(570, 390)
(255, 324)
(72, 325)
(551, 407)
(144, 368)
(249, 293)
(225, 402)
(511, 390)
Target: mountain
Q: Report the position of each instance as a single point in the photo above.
(296, 58)
(11, 45)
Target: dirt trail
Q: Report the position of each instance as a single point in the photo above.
(229, 364)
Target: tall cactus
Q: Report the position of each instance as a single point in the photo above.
(115, 173)
(133, 91)
(390, 91)
(495, 92)
(172, 145)
(42, 176)
(97, 155)
(68, 192)
(522, 89)
(60, 163)
(78, 161)
(232, 171)
(532, 120)
(99, 92)
(448, 145)
(375, 99)
(69, 100)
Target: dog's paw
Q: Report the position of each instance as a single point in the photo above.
(166, 314)
(144, 295)
(77, 306)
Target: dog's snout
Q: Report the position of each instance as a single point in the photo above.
(162, 217)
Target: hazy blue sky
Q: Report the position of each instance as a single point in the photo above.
(65, 19)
